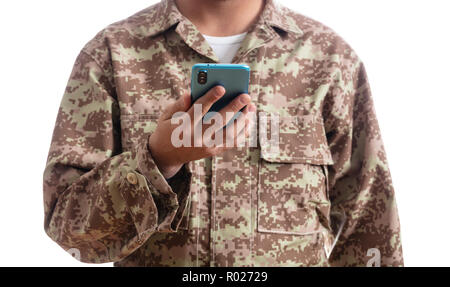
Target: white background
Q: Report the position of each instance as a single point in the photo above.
(404, 44)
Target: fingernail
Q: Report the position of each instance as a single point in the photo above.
(220, 90)
(245, 98)
(252, 108)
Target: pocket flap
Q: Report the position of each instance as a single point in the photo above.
(296, 139)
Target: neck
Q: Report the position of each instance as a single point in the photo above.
(221, 17)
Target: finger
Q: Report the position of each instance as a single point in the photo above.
(205, 102)
(181, 105)
(234, 106)
(219, 122)
(242, 136)
(244, 133)
(247, 112)
(210, 126)
(239, 140)
(231, 131)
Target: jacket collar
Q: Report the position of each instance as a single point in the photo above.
(273, 15)
(267, 27)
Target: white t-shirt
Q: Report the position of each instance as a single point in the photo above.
(225, 47)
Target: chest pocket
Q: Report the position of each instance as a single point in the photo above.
(136, 128)
(292, 177)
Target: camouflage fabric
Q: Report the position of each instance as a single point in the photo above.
(324, 198)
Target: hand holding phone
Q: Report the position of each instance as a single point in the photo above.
(169, 158)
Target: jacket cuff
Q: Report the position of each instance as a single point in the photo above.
(170, 196)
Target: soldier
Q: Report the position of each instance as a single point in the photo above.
(117, 190)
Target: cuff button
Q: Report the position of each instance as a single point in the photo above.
(132, 178)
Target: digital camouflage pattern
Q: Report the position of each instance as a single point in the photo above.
(324, 198)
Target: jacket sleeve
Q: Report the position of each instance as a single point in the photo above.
(364, 212)
(99, 201)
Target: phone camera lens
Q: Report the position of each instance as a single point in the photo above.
(202, 77)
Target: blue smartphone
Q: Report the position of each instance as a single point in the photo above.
(233, 77)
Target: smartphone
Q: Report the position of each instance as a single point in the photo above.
(233, 77)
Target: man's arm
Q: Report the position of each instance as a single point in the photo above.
(360, 183)
(106, 202)
(100, 200)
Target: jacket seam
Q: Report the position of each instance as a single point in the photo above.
(109, 75)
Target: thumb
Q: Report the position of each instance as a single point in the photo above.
(181, 105)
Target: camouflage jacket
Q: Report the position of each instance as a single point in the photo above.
(324, 199)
